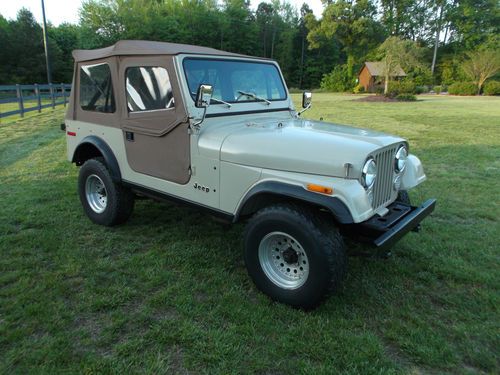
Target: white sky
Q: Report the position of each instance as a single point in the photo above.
(59, 11)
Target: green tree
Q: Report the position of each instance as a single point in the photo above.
(396, 53)
(481, 65)
(350, 23)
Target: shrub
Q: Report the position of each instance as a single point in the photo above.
(421, 76)
(462, 88)
(294, 90)
(406, 98)
(338, 80)
(400, 87)
(421, 89)
(492, 88)
(379, 90)
(437, 89)
(358, 89)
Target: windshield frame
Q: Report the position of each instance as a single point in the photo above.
(240, 60)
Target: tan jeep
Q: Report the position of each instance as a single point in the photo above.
(218, 131)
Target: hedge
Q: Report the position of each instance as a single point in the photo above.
(492, 88)
(462, 88)
(400, 87)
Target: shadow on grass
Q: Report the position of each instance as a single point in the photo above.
(15, 147)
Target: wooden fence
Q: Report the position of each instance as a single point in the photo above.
(32, 97)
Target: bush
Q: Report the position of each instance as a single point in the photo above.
(492, 88)
(406, 98)
(294, 90)
(400, 87)
(421, 89)
(421, 76)
(462, 88)
(438, 89)
(359, 89)
(338, 80)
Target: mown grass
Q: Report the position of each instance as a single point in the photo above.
(7, 107)
(168, 291)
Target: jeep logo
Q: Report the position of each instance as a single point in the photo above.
(202, 188)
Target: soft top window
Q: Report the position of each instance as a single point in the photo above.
(148, 89)
(96, 88)
(234, 80)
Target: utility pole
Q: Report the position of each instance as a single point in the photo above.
(46, 45)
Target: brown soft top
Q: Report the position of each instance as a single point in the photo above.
(146, 47)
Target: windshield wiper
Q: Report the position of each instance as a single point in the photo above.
(221, 102)
(251, 95)
(217, 100)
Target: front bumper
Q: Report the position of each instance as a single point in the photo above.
(385, 231)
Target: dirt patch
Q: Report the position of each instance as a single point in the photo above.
(376, 98)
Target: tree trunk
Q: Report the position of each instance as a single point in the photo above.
(436, 41)
(350, 65)
(272, 43)
(302, 62)
(386, 84)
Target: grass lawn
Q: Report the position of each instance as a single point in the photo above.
(7, 107)
(168, 291)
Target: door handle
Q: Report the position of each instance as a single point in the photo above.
(129, 136)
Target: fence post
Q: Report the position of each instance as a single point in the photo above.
(38, 98)
(63, 93)
(52, 96)
(19, 93)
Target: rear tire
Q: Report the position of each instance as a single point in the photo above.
(104, 201)
(292, 256)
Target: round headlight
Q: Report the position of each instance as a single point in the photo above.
(400, 162)
(369, 173)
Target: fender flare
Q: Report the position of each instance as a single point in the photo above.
(280, 189)
(106, 152)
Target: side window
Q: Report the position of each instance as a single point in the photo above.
(96, 89)
(148, 89)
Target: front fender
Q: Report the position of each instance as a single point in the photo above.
(414, 173)
(280, 189)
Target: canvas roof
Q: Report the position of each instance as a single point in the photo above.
(145, 47)
(376, 69)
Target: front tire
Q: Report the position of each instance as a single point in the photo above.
(104, 201)
(292, 256)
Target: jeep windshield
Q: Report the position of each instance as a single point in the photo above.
(235, 81)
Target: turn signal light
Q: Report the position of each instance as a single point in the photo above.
(320, 189)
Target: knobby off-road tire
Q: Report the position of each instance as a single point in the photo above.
(104, 201)
(294, 256)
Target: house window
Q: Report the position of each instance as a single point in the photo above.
(96, 89)
(148, 89)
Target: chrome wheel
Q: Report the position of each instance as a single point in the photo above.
(283, 260)
(96, 193)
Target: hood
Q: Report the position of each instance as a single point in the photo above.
(297, 145)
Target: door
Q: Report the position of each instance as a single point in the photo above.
(154, 119)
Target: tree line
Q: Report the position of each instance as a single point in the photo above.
(311, 52)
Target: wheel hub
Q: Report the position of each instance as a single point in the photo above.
(290, 256)
(283, 260)
(96, 194)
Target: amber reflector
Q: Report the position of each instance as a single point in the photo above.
(320, 189)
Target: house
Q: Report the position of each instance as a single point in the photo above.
(371, 75)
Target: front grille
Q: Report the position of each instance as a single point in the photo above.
(383, 191)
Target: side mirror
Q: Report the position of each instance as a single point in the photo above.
(203, 96)
(306, 99)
